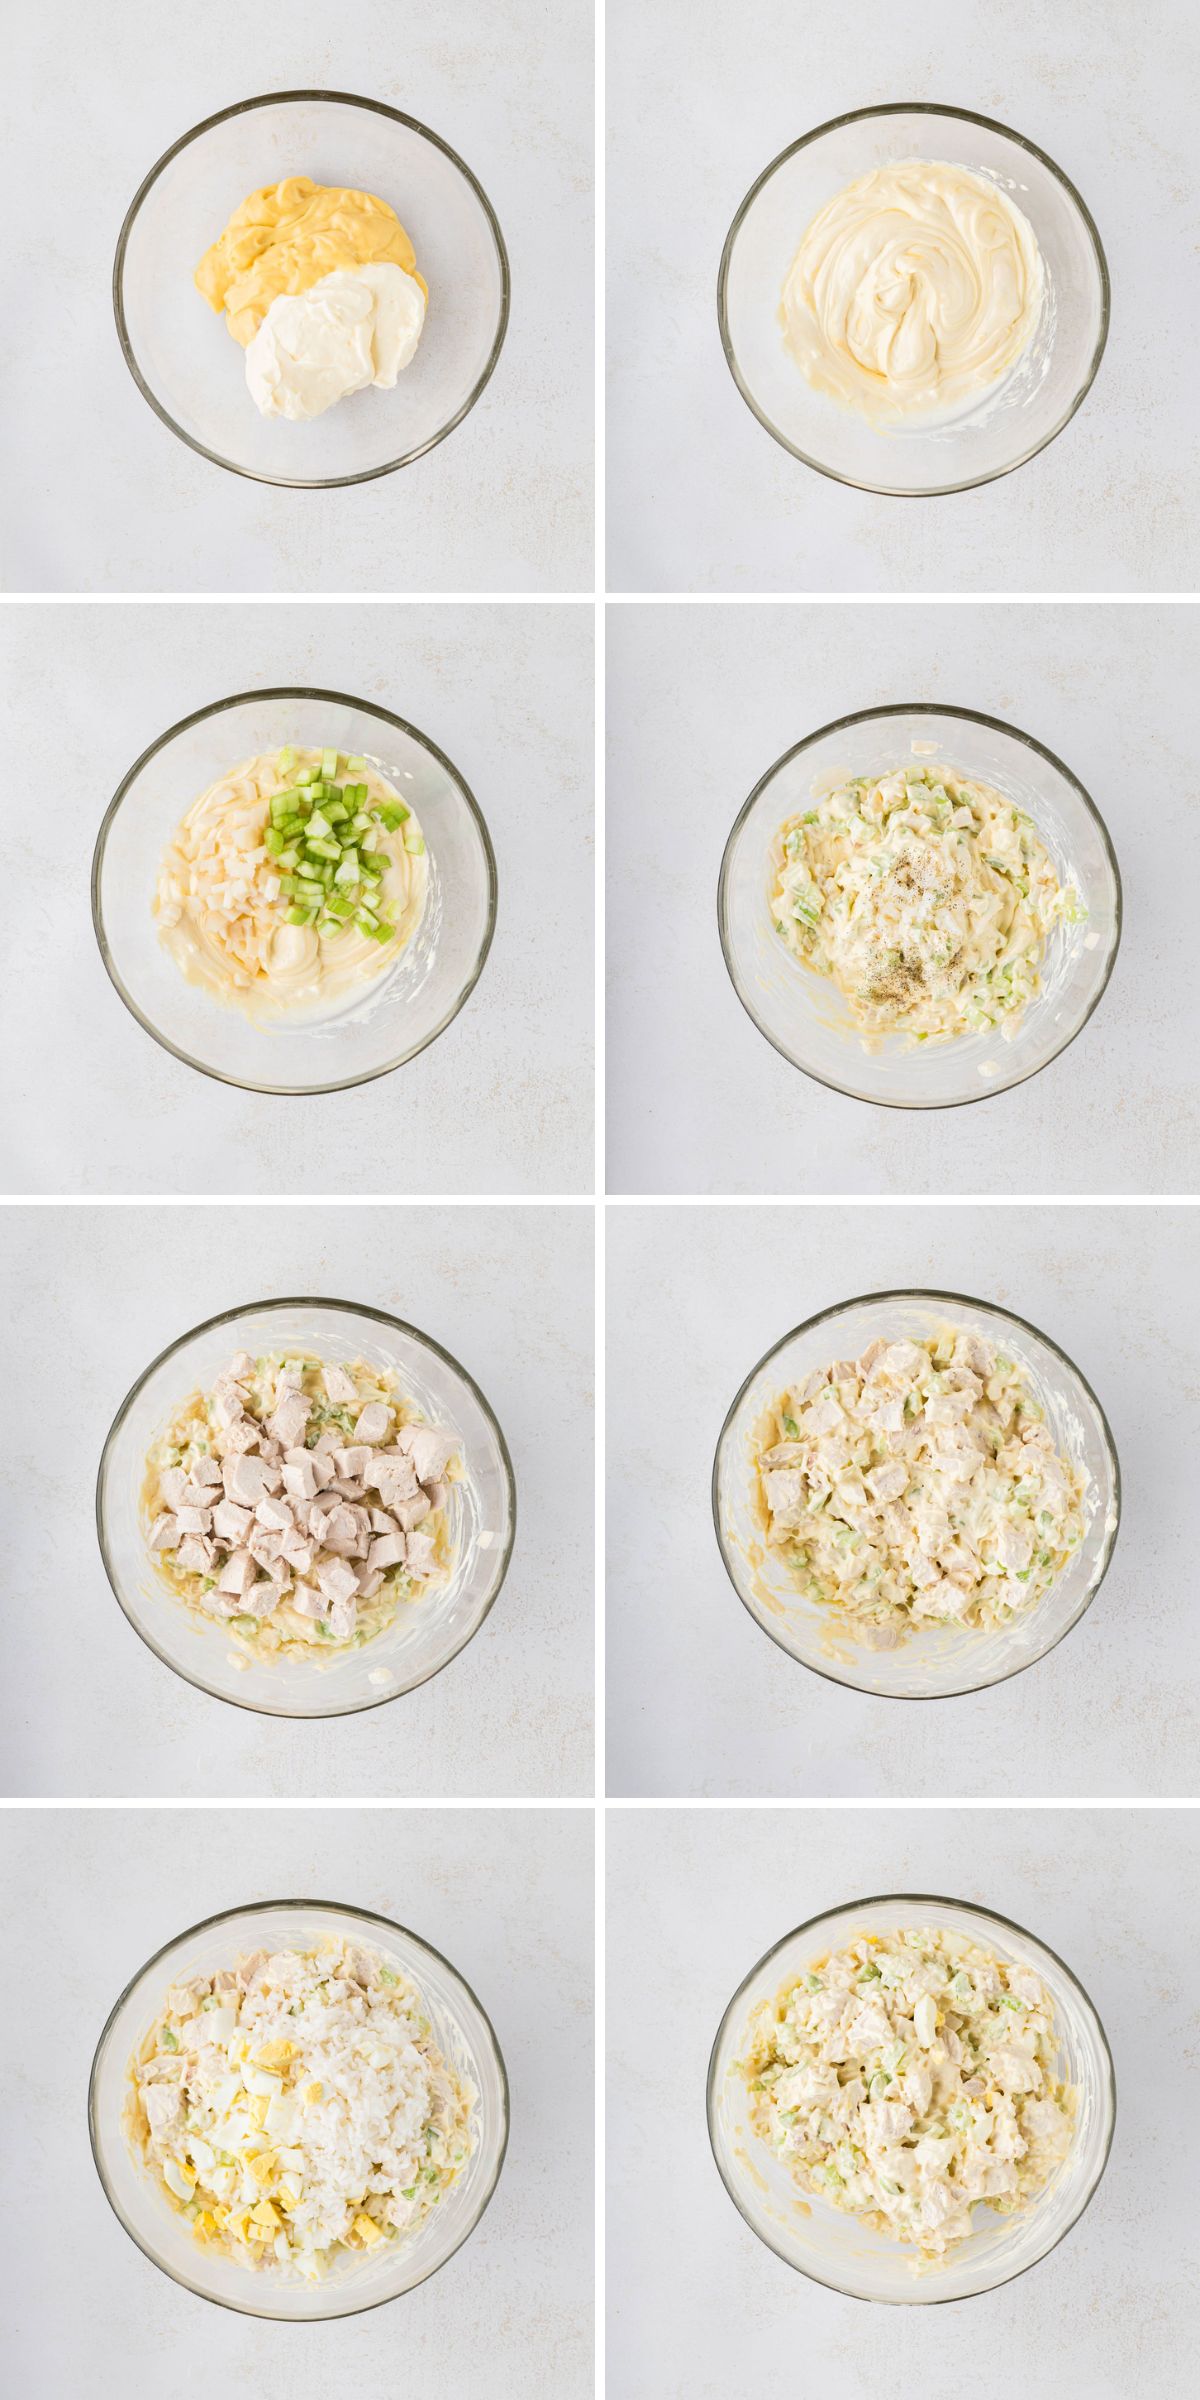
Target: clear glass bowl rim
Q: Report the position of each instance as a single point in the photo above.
(216, 708)
(969, 716)
(963, 116)
(229, 1316)
(367, 1916)
(954, 1300)
(241, 108)
(970, 1908)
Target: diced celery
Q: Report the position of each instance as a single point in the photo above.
(319, 824)
(383, 933)
(347, 870)
(308, 774)
(329, 764)
(360, 822)
(287, 861)
(287, 760)
(299, 916)
(415, 844)
(355, 762)
(366, 921)
(325, 847)
(372, 867)
(275, 841)
(338, 905)
(287, 886)
(328, 929)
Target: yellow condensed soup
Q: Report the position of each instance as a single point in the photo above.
(287, 237)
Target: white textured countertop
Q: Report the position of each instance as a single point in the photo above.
(699, 2309)
(95, 1894)
(702, 701)
(700, 1702)
(701, 98)
(501, 1102)
(100, 496)
(89, 1296)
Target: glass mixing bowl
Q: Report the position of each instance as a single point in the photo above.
(933, 1662)
(381, 1024)
(1008, 424)
(462, 2032)
(836, 2249)
(425, 1634)
(191, 370)
(806, 1018)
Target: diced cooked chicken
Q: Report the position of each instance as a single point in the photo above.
(195, 1554)
(387, 1550)
(300, 1475)
(238, 1573)
(409, 1513)
(394, 1478)
(420, 1556)
(271, 1517)
(336, 1578)
(248, 1480)
(309, 1603)
(429, 1450)
(918, 1484)
(291, 1416)
(276, 1514)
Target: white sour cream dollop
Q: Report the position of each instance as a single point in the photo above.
(346, 331)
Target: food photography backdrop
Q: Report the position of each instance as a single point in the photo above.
(700, 100)
(91, 1296)
(107, 498)
(696, 2303)
(701, 703)
(700, 1701)
(502, 1101)
(127, 1881)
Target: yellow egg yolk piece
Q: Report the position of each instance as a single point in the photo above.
(286, 236)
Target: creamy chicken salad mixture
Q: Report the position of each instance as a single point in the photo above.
(293, 879)
(918, 1484)
(926, 897)
(297, 2109)
(908, 2076)
(301, 1502)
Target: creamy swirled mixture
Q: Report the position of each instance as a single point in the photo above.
(925, 896)
(918, 1484)
(301, 1502)
(914, 290)
(293, 879)
(909, 2076)
(297, 2110)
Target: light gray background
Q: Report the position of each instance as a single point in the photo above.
(96, 1893)
(99, 495)
(700, 1701)
(699, 2308)
(501, 1102)
(88, 1296)
(702, 701)
(701, 98)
